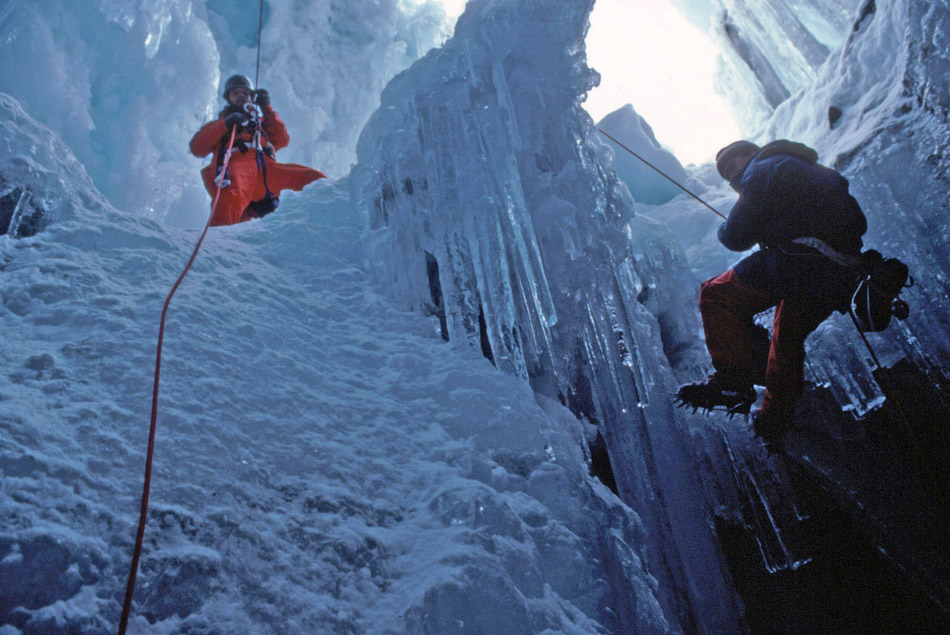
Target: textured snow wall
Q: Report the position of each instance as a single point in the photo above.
(769, 48)
(324, 462)
(126, 84)
(484, 181)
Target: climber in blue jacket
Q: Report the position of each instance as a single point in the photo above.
(809, 228)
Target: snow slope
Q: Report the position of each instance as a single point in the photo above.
(325, 463)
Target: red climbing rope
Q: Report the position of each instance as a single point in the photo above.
(143, 515)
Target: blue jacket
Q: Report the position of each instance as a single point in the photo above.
(784, 194)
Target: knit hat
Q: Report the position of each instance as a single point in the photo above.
(730, 152)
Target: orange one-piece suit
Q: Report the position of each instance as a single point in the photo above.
(247, 178)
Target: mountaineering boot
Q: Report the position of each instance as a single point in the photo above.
(713, 392)
(771, 430)
(260, 209)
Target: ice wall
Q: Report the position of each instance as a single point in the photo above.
(768, 49)
(876, 110)
(484, 182)
(126, 84)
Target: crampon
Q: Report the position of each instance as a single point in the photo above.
(710, 395)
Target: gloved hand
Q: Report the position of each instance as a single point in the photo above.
(235, 118)
(262, 98)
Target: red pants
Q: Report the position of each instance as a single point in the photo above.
(247, 184)
(735, 343)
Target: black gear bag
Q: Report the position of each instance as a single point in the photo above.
(877, 296)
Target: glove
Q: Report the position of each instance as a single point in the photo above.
(235, 118)
(262, 98)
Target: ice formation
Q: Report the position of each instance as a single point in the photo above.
(326, 461)
(483, 177)
(647, 184)
(769, 50)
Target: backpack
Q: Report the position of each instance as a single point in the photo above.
(877, 296)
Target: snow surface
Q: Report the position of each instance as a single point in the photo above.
(325, 464)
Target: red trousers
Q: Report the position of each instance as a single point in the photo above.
(736, 344)
(247, 184)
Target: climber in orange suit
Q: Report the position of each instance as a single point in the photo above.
(254, 179)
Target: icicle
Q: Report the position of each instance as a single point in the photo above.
(18, 213)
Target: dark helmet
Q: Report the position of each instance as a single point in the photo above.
(236, 81)
(732, 151)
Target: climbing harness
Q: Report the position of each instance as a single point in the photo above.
(829, 252)
(270, 202)
(876, 297)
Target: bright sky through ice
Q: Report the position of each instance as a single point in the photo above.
(648, 55)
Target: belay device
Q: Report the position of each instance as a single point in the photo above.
(877, 296)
